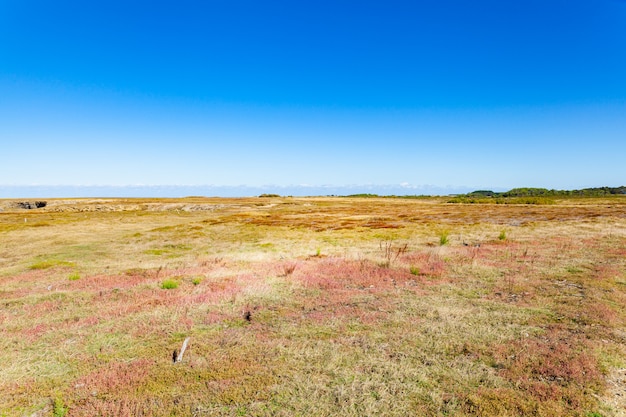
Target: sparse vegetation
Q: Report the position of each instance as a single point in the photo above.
(169, 284)
(50, 263)
(444, 237)
(386, 322)
(59, 409)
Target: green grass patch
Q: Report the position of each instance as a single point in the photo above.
(573, 270)
(59, 409)
(444, 238)
(154, 252)
(169, 284)
(50, 263)
(170, 250)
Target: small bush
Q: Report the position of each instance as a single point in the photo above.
(502, 235)
(59, 409)
(196, 280)
(169, 284)
(444, 238)
(74, 276)
(414, 270)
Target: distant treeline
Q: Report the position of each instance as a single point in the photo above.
(533, 195)
(514, 196)
(544, 192)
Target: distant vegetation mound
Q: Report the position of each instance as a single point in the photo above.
(533, 195)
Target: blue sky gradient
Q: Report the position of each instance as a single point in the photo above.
(450, 93)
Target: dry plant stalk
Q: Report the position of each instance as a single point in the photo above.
(289, 268)
(391, 252)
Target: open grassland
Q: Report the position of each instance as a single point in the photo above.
(313, 307)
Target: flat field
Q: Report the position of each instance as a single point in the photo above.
(313, 307)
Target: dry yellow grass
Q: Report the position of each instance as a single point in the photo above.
(313, 306)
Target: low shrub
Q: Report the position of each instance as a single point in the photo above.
(169, 284)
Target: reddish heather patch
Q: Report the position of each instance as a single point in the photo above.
(558, 357)
(336, 274)
(502, 255)
(33, 333)
(211, 297)
(216, 290)
(37, 310)
(117, 377)
(350, 290)
(31, 282)
(120, 406)
(106, 282)
(552, 375)
(618, 252)
(428, 263)
(605, 271)
(222, 284)
(213, 317)
(122, 303)
(329, 311)
(29, 276)
(596, 313)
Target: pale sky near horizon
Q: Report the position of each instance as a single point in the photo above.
(485, 94)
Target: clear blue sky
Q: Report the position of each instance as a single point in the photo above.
(486, 94)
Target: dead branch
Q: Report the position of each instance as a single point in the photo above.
(179, 357)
